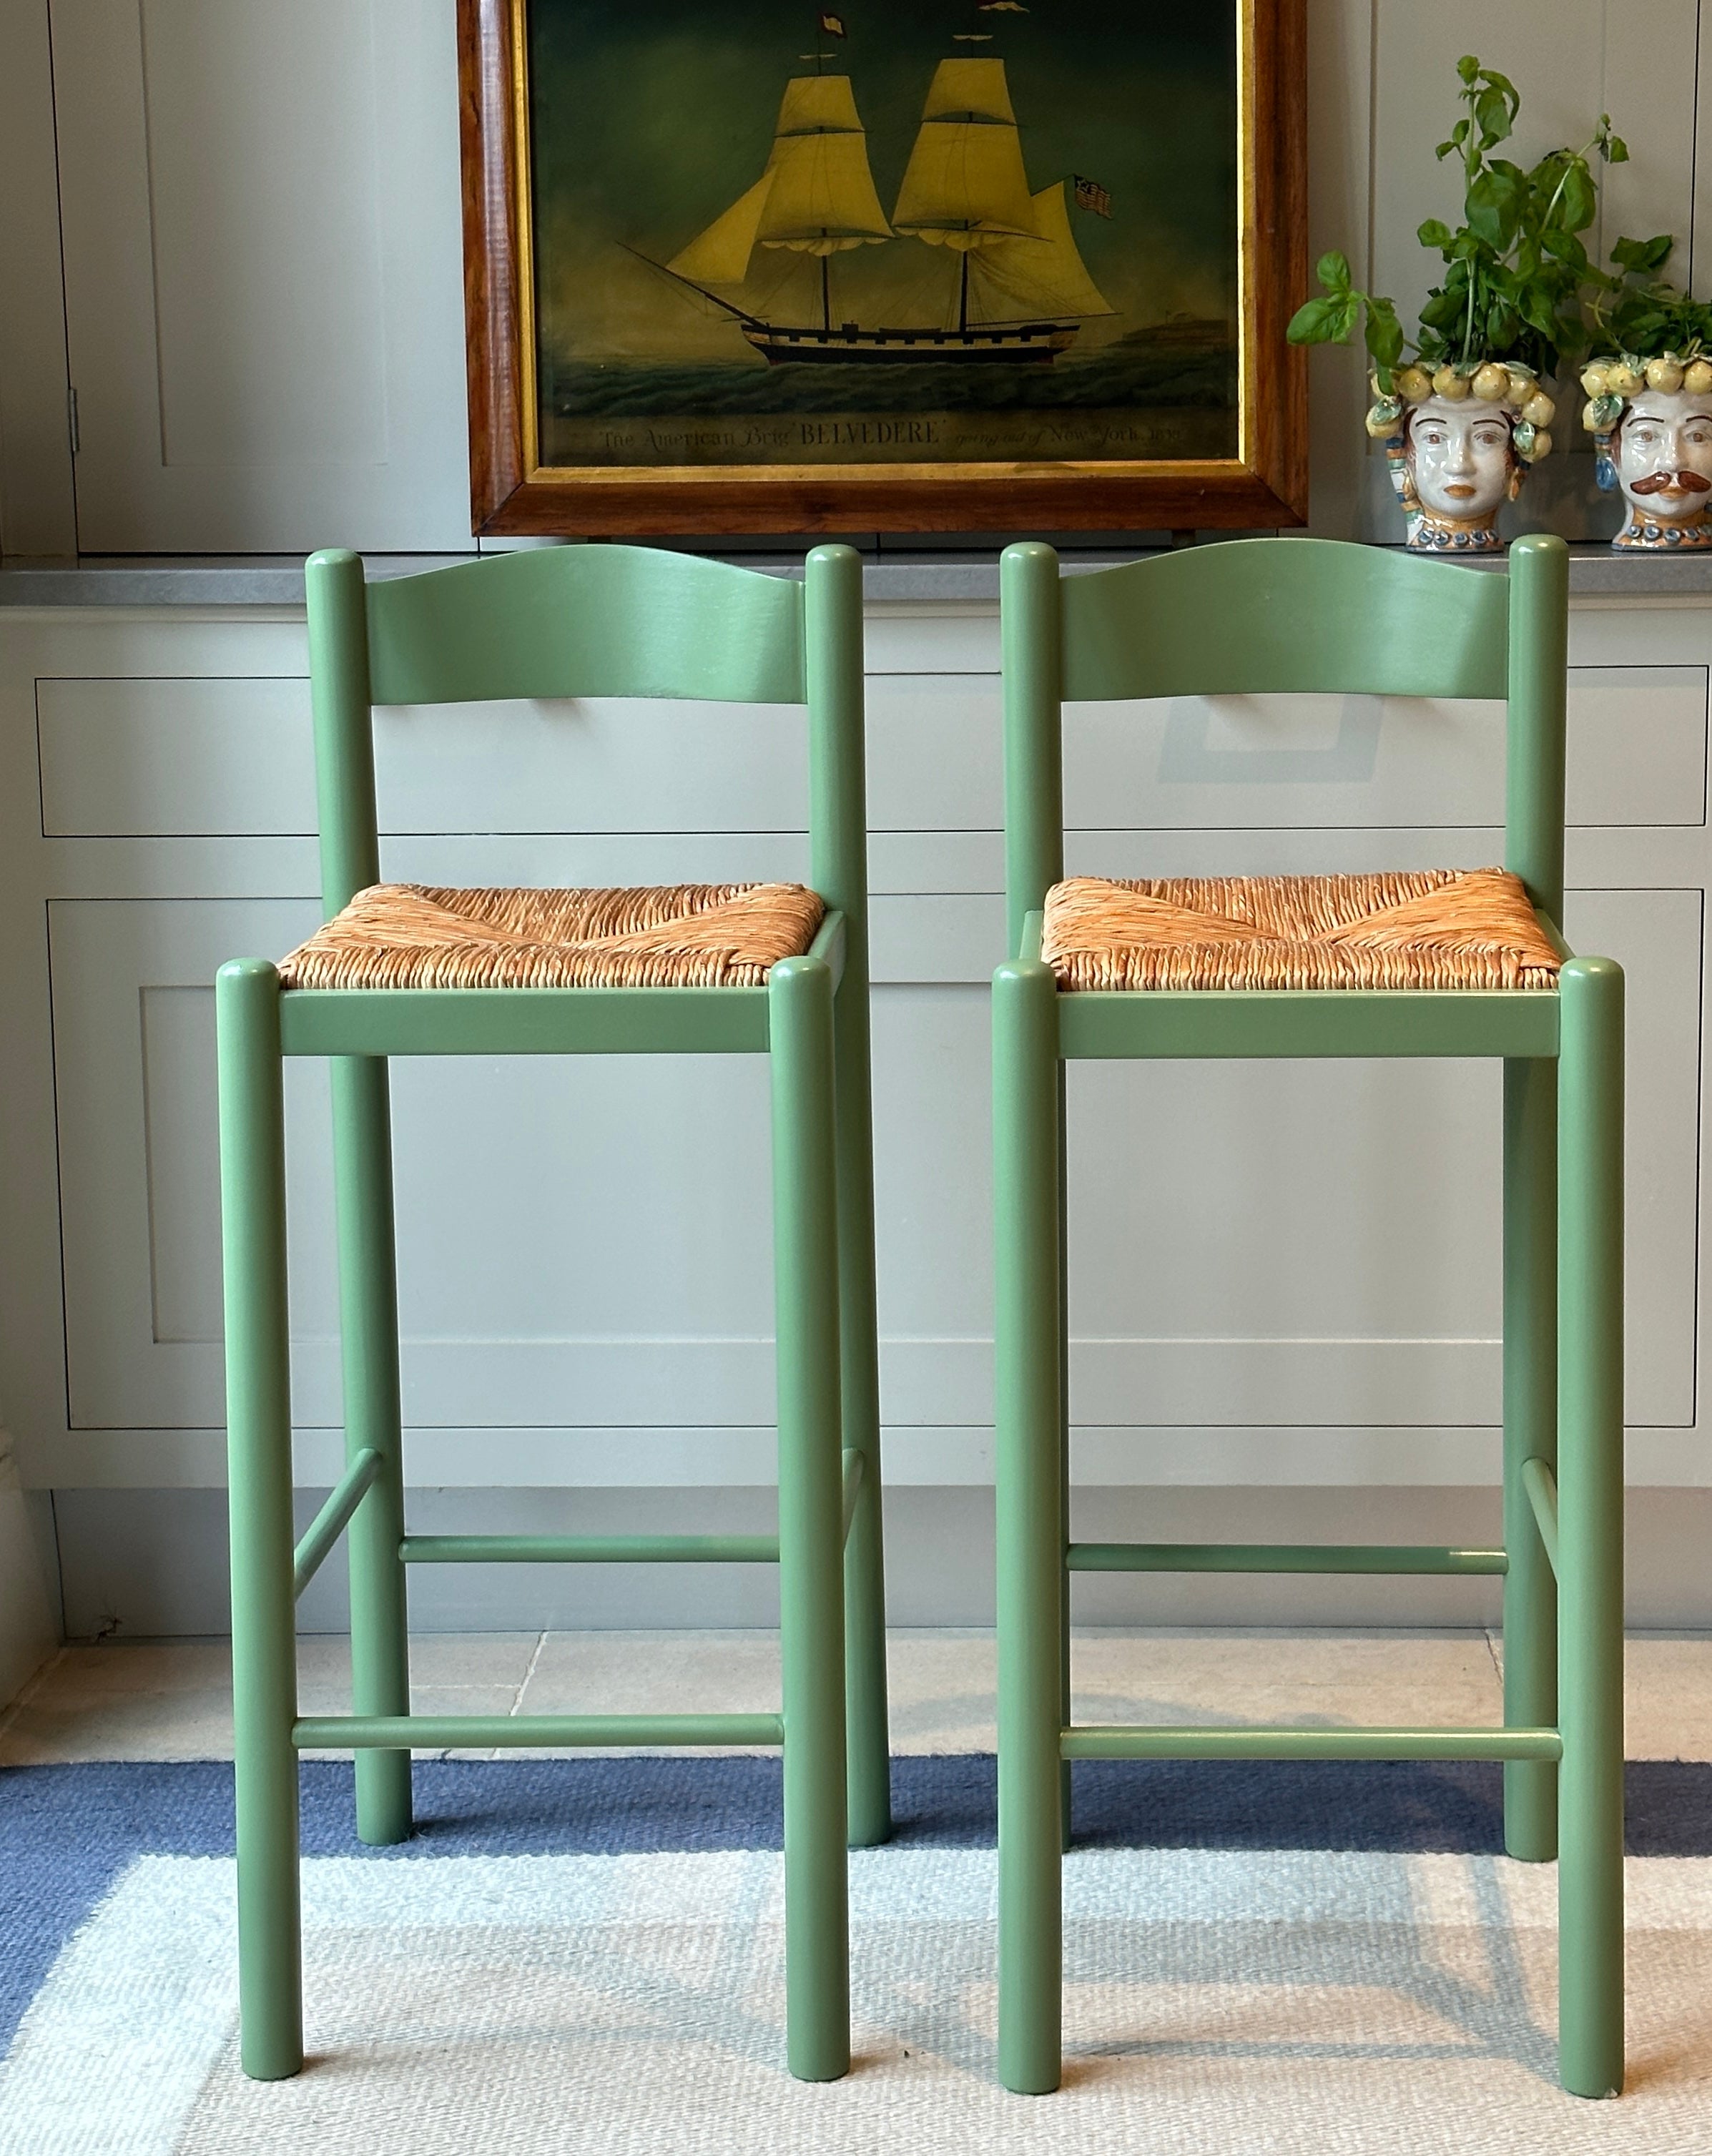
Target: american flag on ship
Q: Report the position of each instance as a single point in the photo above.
(1091, 195)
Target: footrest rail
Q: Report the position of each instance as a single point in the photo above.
(1094, 1741)
(589, 1549)
(437, 1733)
(1281, 1557)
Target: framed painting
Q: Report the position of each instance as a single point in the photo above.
(994, 266)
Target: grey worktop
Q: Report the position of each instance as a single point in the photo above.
(277, 579)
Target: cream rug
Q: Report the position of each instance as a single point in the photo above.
(1225, 2002)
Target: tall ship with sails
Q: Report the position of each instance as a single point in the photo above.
(1019, 290)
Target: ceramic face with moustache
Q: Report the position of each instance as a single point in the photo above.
(1665, 468)
(1462, 466)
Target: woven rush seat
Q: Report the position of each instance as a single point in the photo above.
(680, 936)
(1438, 928)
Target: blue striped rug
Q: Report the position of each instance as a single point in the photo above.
(1315, 1883)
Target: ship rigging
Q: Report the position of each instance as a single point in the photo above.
(1022, 289)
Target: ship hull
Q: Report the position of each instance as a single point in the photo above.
(1038, 344)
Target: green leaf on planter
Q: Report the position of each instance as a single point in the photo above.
(1578, 204)
(1385, 333)
(1314, 322)
(1539, 313)
(1641, 255)
(1492, 114)
(1495, 200)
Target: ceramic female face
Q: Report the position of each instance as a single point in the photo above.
(1664, 458)
(1462, 465)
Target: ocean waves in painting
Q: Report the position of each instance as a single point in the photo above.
(1119, 377)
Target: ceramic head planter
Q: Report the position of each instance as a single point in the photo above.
(1458, 443)
(1464, 417)
(1651, 421)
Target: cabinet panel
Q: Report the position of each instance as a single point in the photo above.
(206, 755)
(1320, 1243)
(1636, 755)
(196, 758)
(217, 756)
(580, 1239)
(260, 221)
(1265, 1244)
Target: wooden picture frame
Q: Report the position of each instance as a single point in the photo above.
(512, 491)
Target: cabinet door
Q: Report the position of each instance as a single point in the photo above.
(1318, 1243)
(263, 298)
(1280, 1248)
(583, 1241)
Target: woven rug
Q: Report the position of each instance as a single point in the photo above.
(586, 1955)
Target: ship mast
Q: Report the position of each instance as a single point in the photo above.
(815, 197)
(965, 187)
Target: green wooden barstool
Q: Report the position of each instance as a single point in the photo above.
(1449, 964)
(403, 970)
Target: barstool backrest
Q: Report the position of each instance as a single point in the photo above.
(588, 621)
(1266, 616)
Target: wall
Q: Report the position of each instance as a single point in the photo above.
(29, 1621)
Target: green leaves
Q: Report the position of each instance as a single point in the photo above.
(1332, 319)
(1578, 197)
(1332, 271)
(1643, 256)
(1493, 111)
(1384, 335)
(1496, 201)
(1515, 268)
(1321, 321)
(1650, 315)
(1612, 148)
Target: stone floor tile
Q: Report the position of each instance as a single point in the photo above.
(654, 1673)
(189, 1724)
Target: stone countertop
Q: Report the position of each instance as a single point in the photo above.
(276, 580)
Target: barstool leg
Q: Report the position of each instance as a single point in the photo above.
(867, 1732)
(1529, 1433)
(1066, 1827)
(258, 1440)
(810, 1520)
(1030, 1529)
(368, 1325)
(1590, 1528)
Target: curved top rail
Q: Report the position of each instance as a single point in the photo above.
(1251, 616)
(585, 621)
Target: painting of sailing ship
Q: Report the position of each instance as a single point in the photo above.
(950, 230)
